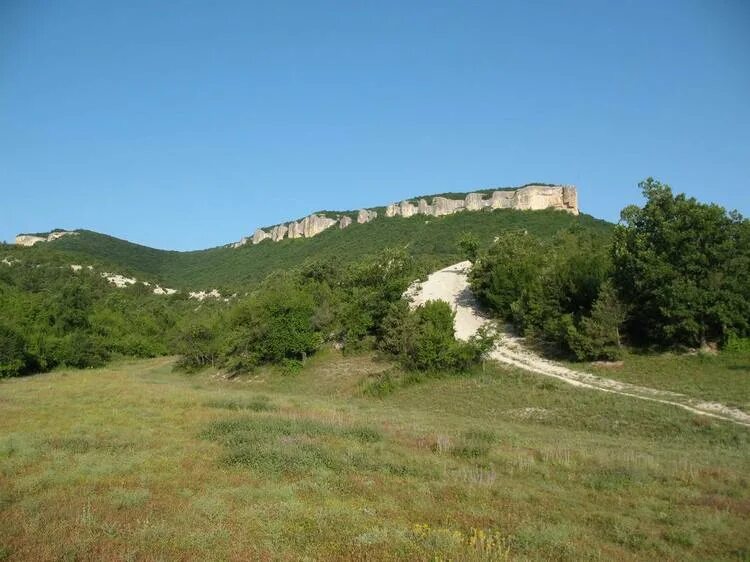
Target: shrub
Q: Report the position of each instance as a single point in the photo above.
(424, 340)
(598, 337)
(80, 350)
(554, 293)
(13, 360)
(198, 347)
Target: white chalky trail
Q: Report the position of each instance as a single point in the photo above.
(452, 286)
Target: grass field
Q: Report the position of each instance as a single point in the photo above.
(135, 462)
(723, 377)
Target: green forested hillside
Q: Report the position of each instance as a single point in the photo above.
(431, 239)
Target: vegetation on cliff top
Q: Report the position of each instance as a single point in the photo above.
(428, 238)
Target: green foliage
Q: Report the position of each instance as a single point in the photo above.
(13, 360)
(273, 325)
(423, 339)
(683, 268)
(53, 316)
(511, 264)
(736, 344)
(677, 273)
(469, 244)
(431, 241)
(598, 335)
(553, 291)
(289, 316)
(198, 347)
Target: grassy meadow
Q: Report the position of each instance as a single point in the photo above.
(722, 377)
(136, 462)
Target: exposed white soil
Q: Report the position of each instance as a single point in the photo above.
(451, 285)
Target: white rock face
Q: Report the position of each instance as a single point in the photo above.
(442, 206)
(315, 224)
(424, 208)
(365, 215)
(406, 209)
(76, 268)
(163, 290)
(294, 230)
(202, 295)
(538, 197)
(570, 199)
(259, 236)
(502, 199)
(31, 239)
(28, 240)
(528, 197)
(278, 232)
(474, 202)
(119, 281)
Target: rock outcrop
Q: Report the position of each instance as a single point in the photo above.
(119, 281)
(31, 239)
(366, 215)
(308, 227)
(203, 295)
(278, 232)
(315, 224)
(531, 197)
(259, 236)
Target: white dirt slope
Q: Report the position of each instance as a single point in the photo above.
(451, 285)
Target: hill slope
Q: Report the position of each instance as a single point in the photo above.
(430, 238)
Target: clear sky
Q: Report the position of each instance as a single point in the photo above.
(185, 125)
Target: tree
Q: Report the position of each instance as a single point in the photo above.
(12, 353)
(598, 336)
(198, 346)
(683, 269)
(512, 263)
(276, 324)
(469, 245)
(423, 339)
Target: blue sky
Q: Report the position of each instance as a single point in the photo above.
(185, 125)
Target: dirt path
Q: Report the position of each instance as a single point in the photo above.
(451, 285)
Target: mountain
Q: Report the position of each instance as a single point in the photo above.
(425, 235)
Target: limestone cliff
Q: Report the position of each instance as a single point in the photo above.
(532, 197)
(31, 239)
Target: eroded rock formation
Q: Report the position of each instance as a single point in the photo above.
(31, 239)
(366, 215)
(530, 197)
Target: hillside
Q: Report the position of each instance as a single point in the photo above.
(432, 238)
(162, 466)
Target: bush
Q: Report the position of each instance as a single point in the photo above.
(555, 293)
(683, 268)
(80, 350)
(12, 353)
(423, 339)
(198, 347)
(274, 325)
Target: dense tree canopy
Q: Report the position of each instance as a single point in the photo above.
(675, 274)
(683, 269)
